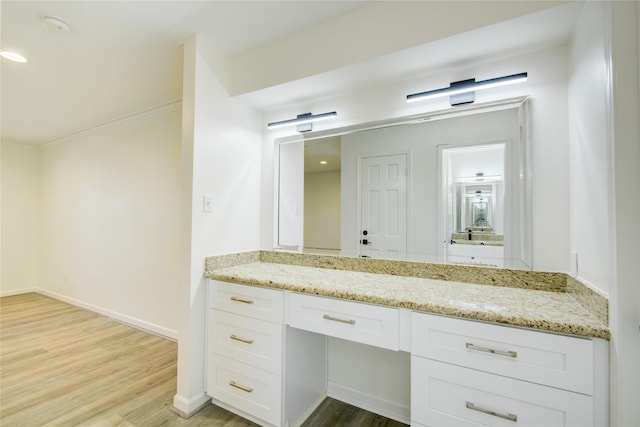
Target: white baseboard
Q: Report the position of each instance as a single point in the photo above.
(163, 332)
(393, 410)
(186, 407)
(17, 292)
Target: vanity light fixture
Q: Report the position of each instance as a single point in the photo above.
(12, 56)
(480, 177)
(304, 122)
(463, 92)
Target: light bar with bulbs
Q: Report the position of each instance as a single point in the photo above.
(458, 90)
(304, 122)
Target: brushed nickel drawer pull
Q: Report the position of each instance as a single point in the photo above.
(335, 319)
(241, 387)
(244, 301)
(471, 346)
(237, 338)
(510, 417)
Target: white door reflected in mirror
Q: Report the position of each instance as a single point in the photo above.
(383, 206)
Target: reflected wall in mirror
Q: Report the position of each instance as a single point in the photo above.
(413, 190)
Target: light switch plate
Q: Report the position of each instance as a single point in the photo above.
(207, 203)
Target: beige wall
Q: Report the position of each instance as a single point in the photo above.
(322, 210)
(95, 219)
(20, 213)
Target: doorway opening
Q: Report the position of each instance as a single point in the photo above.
(473, 202)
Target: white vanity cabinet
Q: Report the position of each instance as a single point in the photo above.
(468, 373)
(268, 359)
(247, 351)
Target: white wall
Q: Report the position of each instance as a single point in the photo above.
(623, 19)
(588, 154)
(367, 33)
(322, 210)
(604, 94)
(220, 157)
(547, 86)
(109, 215)
(20, 192)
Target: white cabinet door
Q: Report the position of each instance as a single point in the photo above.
(359, 322)
(252, 390)
(252, 341)
(544, 358)
(445, 395)
(252, 301)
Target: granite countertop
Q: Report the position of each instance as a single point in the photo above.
(538, 309)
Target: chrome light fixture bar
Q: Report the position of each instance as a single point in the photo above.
(463, 92)
(304, 122)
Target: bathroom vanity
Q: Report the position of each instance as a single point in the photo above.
(477, 354)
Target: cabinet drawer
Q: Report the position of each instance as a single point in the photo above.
(252, 341)
(548, 359)
(364, 323)
(448, 395)
(249, 389)
(252, 301)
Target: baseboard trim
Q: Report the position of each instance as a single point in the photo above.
(186, 408)
(169, 334)
(386, 408)
(17, 292)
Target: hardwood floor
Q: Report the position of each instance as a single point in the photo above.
(64, 366)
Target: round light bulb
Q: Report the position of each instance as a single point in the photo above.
(12, 56)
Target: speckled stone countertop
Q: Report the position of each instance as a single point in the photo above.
(539, 309)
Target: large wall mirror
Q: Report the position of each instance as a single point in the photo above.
(447, 186)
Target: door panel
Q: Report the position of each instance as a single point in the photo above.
(383, 202)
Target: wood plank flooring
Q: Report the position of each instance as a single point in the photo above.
(64, 366)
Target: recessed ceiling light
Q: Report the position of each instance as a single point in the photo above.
(323, 162)
(55, 25)
(12, 56)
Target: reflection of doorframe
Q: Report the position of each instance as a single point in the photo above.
(360, 157)
(445, 200)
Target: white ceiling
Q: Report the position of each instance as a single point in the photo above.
(123, 57)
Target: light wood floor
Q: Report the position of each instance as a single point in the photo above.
(64, 366)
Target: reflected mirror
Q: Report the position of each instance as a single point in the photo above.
(449, 186)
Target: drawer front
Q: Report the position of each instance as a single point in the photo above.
(544, 358)
(448, 395)
(251, 341)
(246, 388)
(252, 301)
(364, 323)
